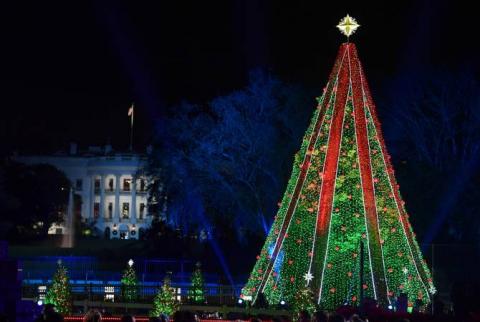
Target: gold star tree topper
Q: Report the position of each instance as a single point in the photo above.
(348, 25)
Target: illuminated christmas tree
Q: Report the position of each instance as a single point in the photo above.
(164, 301)
(342, 227)
(59, 293)
(304, 300)
(129, 283)
(196, 292)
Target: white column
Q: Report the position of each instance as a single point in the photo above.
(92, 199)
(116, 212)
(101, 218)
(133, 204)
(85, 199)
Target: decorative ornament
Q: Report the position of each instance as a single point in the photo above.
(348, 26)
(308, 277)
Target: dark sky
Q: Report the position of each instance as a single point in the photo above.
(70, 69)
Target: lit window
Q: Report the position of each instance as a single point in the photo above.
(125, 210)
(96, 210)
(97, 185)
(126, 184)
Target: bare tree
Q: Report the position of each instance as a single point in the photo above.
(229, 157)
(434, 122)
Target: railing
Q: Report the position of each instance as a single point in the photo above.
(122, 189)
(140, 220)
(216, 295)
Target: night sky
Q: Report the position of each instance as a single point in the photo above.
(70, 69)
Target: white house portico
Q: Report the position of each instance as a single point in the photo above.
(112, 187)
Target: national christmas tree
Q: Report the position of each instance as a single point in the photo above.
(196, 292)
(59, 292)
(164, 301)
(129, 283)
(342, 228)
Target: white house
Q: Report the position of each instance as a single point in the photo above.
(112, 187)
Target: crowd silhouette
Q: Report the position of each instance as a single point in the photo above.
(343, 314)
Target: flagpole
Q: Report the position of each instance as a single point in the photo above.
(131, 127)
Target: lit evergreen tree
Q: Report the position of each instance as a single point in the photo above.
(165, 301)
(342, 193)
(303, 301)
(196, 293)
(59, 293)
(129, 283)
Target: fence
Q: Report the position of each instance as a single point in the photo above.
(217, 295)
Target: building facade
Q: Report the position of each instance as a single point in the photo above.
(112, 188)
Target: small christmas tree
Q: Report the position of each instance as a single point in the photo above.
(196, 292)
(59, 293)
(165, 301)
(129, 283)
(304, 300)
